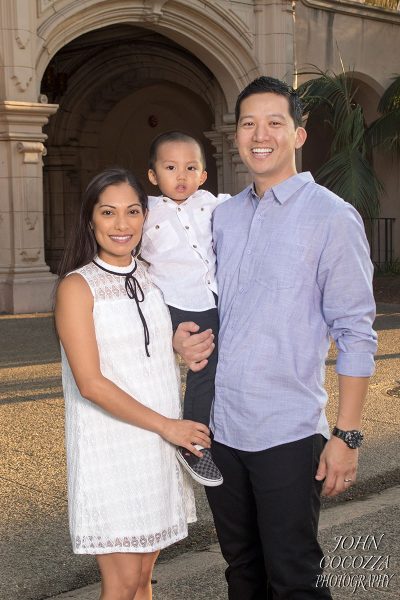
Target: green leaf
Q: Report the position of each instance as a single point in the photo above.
(349, 175)
(385, 132)
(391, 97)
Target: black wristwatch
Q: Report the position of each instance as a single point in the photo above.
(352, 438)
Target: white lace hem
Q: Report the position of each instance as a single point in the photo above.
(129, 544)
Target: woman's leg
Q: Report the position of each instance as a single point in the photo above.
(144, 590)
(121, 575)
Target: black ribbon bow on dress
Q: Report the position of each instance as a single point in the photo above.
(134, 292)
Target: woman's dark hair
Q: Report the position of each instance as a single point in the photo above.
(82, 247)
(173, 136)
(264, 84)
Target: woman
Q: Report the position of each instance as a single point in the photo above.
(127, 495)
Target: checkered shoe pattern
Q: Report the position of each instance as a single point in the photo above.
(204, 470)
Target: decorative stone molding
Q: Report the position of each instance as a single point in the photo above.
(20, 43)
(356, 9)
(31, 223)
(207, 29)
(153, 10)
(23, 121)
(32, 151)
(43, 5)
(30, 257)
(21, 83)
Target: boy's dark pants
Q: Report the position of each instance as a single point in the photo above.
(200, 386)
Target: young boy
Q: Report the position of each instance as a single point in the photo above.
(177, 242)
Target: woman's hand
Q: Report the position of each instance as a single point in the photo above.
(186, 433)
(193, 347)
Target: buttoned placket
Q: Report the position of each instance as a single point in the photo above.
(182, 214)
(257, 229)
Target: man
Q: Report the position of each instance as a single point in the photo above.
(293, 271)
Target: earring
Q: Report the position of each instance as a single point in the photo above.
(91, 226)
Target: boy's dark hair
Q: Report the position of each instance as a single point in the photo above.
(264, 84)
(173, 136)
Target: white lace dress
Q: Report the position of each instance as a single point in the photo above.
(126, 490)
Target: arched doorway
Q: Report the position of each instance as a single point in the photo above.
(118, 88)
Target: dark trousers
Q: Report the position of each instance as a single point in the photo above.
(266, 516)
(199, 394)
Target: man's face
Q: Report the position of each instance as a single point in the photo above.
(266, 138)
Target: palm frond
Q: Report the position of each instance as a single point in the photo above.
(349, 175)
(335, 90)
(351, 131)
(385, 132)
(390, 99)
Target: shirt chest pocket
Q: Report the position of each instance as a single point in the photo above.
(161, 237)
(280, 268)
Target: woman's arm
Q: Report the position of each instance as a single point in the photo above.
(75, 326)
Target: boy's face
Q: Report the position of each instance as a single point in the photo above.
(179, 170)
(266, 138)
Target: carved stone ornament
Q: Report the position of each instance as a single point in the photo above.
(30, 257)
(31, 222)
(43, 5)
(31, 151)
(22, 43)
(153, 10)
(21, 85)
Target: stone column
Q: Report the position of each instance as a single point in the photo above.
(216, 139)
(61, 199)
(233, 175)
(26, 283)
(274, 38)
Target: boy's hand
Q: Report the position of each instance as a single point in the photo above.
(193, 347)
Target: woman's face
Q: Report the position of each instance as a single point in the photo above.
(117, 222)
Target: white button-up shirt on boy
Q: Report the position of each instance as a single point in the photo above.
(177, 242)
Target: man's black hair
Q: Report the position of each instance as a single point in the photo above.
(264, 84)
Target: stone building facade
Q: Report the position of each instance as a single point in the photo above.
(89, 83)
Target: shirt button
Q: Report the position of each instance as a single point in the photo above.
(186, 226)
(179, 209)
(207, 261)
(208, 281)
(202, 208)
(157, 227)
(194, 246)
(164, 200)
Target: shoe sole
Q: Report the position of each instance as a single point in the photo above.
(195, 476)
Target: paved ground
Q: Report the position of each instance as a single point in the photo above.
(35, 557)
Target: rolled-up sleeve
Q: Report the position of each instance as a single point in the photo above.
(345, 279)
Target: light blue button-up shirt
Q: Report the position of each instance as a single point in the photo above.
(293, 269)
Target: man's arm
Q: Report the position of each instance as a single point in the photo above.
(345, 279)
(338, 462)
(193, 347)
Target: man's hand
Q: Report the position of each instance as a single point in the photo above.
(193, 347)
(338, 466)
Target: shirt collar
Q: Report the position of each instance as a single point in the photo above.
(159, 199)
(284, 190)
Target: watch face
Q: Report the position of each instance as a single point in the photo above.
(354, 439)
